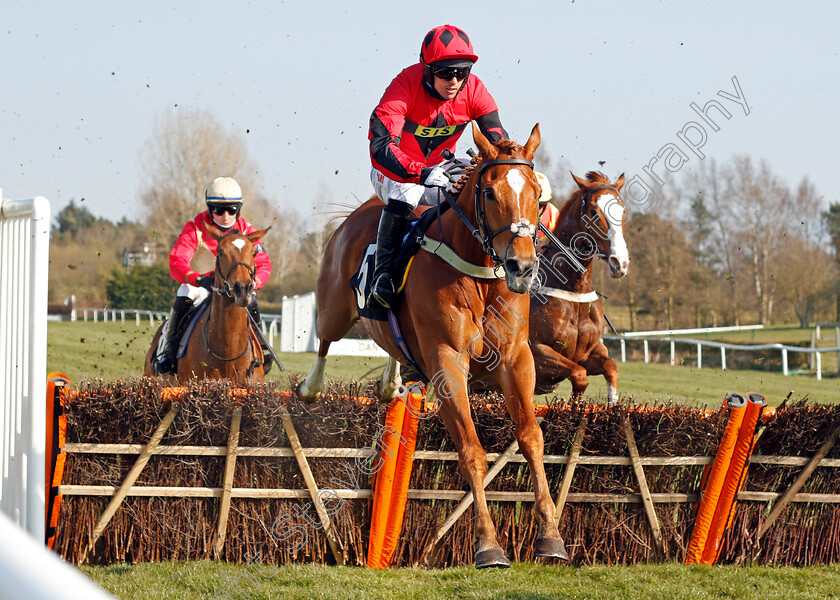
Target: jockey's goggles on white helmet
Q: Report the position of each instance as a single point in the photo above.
(223, 195)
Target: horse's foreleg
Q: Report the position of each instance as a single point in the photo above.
(517, 383)
(391, 383)
(309, 389)
(450, 387)
(552, 367)
(601, 364)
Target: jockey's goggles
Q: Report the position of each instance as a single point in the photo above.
(220, 209)
(447, 73)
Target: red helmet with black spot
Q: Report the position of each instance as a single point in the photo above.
(446, 42)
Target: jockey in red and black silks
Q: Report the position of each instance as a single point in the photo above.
(192, 263)
(412, 124)
(422, 113)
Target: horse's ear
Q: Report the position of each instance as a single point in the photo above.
(213, 231)
(533, 142)
(619, 182)
(256, 235)
(485, 148)
(582, 183)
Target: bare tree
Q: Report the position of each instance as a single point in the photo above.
(706, 185)
(282, 241)
(806, 274)
(187, 149)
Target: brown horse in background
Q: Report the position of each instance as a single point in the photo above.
(457, 326)
(222, 345)
(567, 318)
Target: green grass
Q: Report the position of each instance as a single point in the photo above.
(116, 351)
(198, 580)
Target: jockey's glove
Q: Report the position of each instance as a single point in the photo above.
(435, 177)
(455, 167)
(205, 281)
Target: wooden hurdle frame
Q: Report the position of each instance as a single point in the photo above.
(232, 451)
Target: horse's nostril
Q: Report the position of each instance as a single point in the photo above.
(512, 266)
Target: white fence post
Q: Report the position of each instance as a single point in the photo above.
(819, 365)
(723, 358)
(623, 351)
(699, 356)
(837, 343)
(673, 353)
(24, 272)
(784, 362)
(647, 352)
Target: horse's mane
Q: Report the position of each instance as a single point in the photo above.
(507, 146)
(592, 177)
(504, 146)
(597, 177)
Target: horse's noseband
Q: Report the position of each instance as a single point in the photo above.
(226, 289)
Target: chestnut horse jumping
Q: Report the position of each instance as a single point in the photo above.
(222, 345)
(567, 319)
(457, 326)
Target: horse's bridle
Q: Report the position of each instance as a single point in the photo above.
(226, 290)
(583, 198)
(483, 233)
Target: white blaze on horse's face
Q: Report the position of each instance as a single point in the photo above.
(517, 183)
(239, 243)
(619, 258)
(519, 272)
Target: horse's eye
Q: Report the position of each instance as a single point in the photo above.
(489, 196)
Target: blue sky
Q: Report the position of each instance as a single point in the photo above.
(84, 82)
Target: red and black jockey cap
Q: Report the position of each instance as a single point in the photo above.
(450, 44)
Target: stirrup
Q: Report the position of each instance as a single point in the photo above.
(384, 296)
(165, 366)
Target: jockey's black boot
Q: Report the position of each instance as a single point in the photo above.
(388, 243)
(254, 311)
(167, 364)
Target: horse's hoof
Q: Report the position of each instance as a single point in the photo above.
(491, 557)
(384, 397)
(304, 396)
(551, 548)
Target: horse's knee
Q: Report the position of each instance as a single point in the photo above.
(530, 437)
(579, 380)
(472, 461)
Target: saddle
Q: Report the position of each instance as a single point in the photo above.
(362, 279)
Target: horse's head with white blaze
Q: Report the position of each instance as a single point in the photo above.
(506, 203)
(603, 215)
(235, 266)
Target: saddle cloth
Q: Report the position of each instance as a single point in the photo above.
(362, 279)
